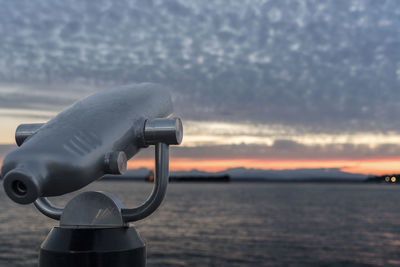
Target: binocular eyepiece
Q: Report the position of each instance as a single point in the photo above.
(94, 137)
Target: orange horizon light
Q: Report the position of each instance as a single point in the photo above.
(378, 166)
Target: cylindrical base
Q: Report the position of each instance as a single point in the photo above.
(116, 247)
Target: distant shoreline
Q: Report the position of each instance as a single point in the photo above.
(212, 180)
(279, 177)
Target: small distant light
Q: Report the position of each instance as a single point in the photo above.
(387, 179)
(393, 179)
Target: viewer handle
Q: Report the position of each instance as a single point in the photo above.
(159, 189)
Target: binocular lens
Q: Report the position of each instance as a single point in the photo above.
(19, 188)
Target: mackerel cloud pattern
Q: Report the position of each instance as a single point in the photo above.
(321, 66)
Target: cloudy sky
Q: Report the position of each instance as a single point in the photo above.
(263, 84)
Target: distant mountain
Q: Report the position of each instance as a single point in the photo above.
(328, 174)
(297, 174)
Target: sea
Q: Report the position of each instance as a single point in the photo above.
(239, 224)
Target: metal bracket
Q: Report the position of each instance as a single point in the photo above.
(158, 132)
(44, 205)
(159, 189)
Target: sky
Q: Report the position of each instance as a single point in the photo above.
(259, 84)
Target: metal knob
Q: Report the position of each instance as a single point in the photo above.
(26, 130)
(115, 162)
(167, 131)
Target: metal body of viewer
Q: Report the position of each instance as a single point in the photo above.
(94, 137)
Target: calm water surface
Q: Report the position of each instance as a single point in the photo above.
(239, 224)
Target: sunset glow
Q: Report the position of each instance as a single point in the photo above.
(365, 166)
(362, 166)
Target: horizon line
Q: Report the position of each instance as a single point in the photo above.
(378, 166)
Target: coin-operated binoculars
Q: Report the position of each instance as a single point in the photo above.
(94, 137)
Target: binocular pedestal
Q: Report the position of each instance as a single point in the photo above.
(116, 247)
(93, 233)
